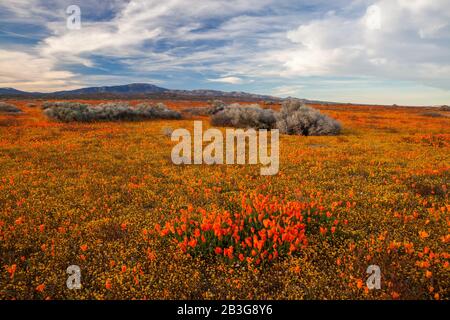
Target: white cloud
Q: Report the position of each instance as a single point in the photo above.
(229, 80)
(27, 71)
(394, 39)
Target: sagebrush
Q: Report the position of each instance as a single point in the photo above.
(295, 118)
(8, 108)
(112, 111)
(237, 116)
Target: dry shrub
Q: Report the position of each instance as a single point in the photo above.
(294, 118)
(158, 111)
(111, 111)
(237, 116)
(8, 108)
(216, 106)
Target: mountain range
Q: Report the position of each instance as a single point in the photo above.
(137, 90)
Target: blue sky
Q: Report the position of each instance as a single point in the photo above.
(371, 51)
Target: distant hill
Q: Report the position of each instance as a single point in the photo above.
(219, 94)
(134, 88)
(137, 90)
(12, 91)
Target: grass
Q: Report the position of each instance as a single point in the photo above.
(91, 194)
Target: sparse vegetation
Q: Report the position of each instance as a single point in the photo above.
(198, 111)
(214, 107)
(112, 111)
(433, 115)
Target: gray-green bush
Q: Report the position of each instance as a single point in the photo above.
(111, 111)
(237, 116)
(8, 108)
(294, 119)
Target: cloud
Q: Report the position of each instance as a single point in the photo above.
(287, 90)
(27, 71)
(393, 39)
(229, 80)
(275, 43)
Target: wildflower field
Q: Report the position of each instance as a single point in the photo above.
(106, 197)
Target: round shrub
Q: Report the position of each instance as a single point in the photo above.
(9, 108)
(237, 116)
(295, 118)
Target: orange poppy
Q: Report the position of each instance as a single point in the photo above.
(40, 288)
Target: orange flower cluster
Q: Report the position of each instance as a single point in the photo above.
(262, 230)
(434, 140)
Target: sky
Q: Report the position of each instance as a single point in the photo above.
(361, 51)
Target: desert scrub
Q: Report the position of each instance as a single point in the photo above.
(112, 111)
(216, 106)
(213, 108)
(434, 115)
(8, 108)
(158, 111)
(295, 118)
(238, 116)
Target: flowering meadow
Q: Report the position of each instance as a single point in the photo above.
(105, 196)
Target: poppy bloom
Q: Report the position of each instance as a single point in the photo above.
(40, 288)
(359, 284)
(12, 271)
(423, 234)
(192, 243)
